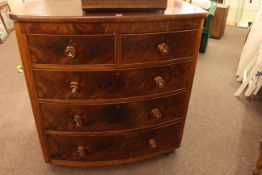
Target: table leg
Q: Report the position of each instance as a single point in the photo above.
(257, 169)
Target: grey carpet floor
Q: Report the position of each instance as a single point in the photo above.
(221, 134)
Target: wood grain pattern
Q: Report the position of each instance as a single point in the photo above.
(46, 12)
(104, 67)
(219, 21)
(143, 47)
(112, 162)
(191, 75)
(110, 28)
(121, 5)
(119, 105)
(27, 69)
(107, 148)
(50, 49)
(109, 84)
(114, 117)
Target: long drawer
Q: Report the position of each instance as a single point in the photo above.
(140, 48)
(142, 26)
(85, 49)
(110, 84)
(113, 117)
(113, 147)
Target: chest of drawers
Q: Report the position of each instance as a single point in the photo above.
(105, 88)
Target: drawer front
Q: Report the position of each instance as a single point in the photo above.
(109, 27)
(120, 147)
(114, 117)
(141, 48)
(110, 84)
(54, 49)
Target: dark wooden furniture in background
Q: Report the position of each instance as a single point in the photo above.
(130, 5)
(219, 21)
(108, 88)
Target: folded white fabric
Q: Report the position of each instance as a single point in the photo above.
(204, 4)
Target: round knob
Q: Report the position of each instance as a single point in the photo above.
(163, 49)
(159, 82)
(155, 113)
(20, 68)
(152, 144)
(81, 151)
(78, 121)
(74, 87)
(70, 52)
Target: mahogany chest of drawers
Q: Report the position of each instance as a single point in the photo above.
(108, 89)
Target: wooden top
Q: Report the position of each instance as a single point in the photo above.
(71, 11)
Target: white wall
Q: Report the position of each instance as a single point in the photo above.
(241, 11)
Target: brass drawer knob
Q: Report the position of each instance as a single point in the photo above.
(152, 144)
(163, 49)
(81, 151)
(20, 68)
(159, 82)
(74, 87)
(155, 113)
(78, 121)
(70, 52)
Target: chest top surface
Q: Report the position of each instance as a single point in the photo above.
(70, 10)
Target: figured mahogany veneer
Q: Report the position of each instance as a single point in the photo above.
(158, 46)
(108, 88)
(98, 49)
(113, 147)
(112, 117)
(110, 25)
(110, 84)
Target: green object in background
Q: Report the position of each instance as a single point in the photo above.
(207, 27)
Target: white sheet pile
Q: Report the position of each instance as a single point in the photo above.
(250, 65)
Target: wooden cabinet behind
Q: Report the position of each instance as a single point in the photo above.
(106, 89)
(219, 21)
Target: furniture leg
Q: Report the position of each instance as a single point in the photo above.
(258, 167)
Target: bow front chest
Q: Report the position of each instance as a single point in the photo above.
(108, 88)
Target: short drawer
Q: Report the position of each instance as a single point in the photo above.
(140, 48)
(110, 84)
(113, 147)
(113, 117)
(58, 49)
